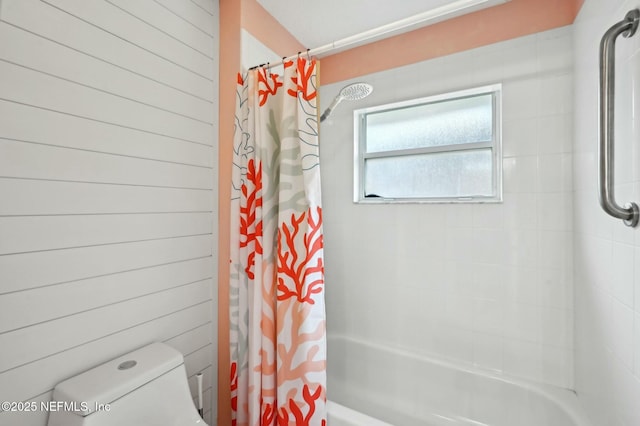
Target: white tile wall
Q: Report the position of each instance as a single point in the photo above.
(607, 260)
(107, 181)
(489, 285)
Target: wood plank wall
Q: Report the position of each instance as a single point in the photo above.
(108, 190)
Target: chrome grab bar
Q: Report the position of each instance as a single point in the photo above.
(627, 27)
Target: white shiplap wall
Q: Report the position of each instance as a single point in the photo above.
(107, 188)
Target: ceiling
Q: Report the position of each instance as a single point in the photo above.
(317, 23)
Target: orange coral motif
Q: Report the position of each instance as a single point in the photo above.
(234, 390)
(240, 80)
(269, 89)
(299, 419)
(295, 267)
(250, 226)
(268, 413)
(290, 367)
(307, 90)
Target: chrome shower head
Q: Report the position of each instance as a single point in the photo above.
(352, 92)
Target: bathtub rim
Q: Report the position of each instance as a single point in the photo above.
(563, 398)
(351, 414)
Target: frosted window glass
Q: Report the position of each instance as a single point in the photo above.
(449, 174)
(463, 120)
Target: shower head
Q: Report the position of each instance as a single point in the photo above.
(352, 92)
(356, 91)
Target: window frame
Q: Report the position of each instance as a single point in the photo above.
(360, 154)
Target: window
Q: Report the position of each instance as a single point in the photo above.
(443, 148)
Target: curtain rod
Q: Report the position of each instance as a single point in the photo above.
(397, 27)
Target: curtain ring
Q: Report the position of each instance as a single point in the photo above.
(269, 68)
(308, 57)
(283, 59)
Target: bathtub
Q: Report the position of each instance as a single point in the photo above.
(374, 385)
(339, 415)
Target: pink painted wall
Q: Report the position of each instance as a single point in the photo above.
(510, 20)
(264, 27)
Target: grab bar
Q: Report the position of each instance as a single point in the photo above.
(627, 27)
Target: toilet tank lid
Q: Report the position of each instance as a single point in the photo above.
(111, 380)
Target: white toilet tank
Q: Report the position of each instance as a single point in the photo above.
(147, 387)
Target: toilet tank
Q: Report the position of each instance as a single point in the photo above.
(145, 387)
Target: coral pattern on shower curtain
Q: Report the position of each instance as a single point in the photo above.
(277, 311)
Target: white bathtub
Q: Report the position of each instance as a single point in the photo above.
(398, 388)
(339, 415)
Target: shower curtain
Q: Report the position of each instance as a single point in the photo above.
(277, 311)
